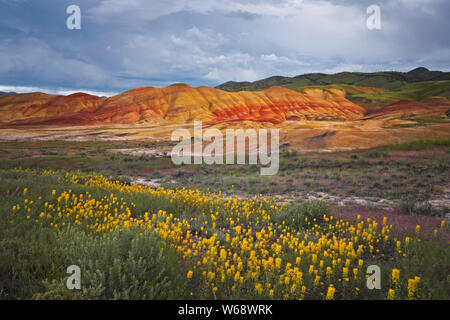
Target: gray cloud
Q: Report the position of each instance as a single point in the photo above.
(125, 44)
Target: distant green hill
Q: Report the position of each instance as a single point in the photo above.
(389, 80)
(3, 94)
(374, 101)
(418, 91)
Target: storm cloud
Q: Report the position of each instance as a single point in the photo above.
(126, 44)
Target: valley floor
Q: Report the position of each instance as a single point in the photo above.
(383, 192)
(302, 136)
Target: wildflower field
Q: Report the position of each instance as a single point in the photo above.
(135, 242)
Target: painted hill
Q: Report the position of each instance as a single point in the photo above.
(406, 109)
(177, 103)
(386, 80)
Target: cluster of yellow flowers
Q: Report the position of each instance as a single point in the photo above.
(234, 249)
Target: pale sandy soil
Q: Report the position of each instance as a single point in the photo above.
(316, 136)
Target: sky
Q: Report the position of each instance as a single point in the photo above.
(134, 43)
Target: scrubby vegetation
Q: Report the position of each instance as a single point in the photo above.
(412, 91)
(391, 172)
(132, 241)
(420, 144)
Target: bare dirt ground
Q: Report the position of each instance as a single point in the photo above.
(311, 136)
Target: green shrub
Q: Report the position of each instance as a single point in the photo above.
(376, 154)
(412, 207)
(295, 215)
(122, 265)
(420, 144)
